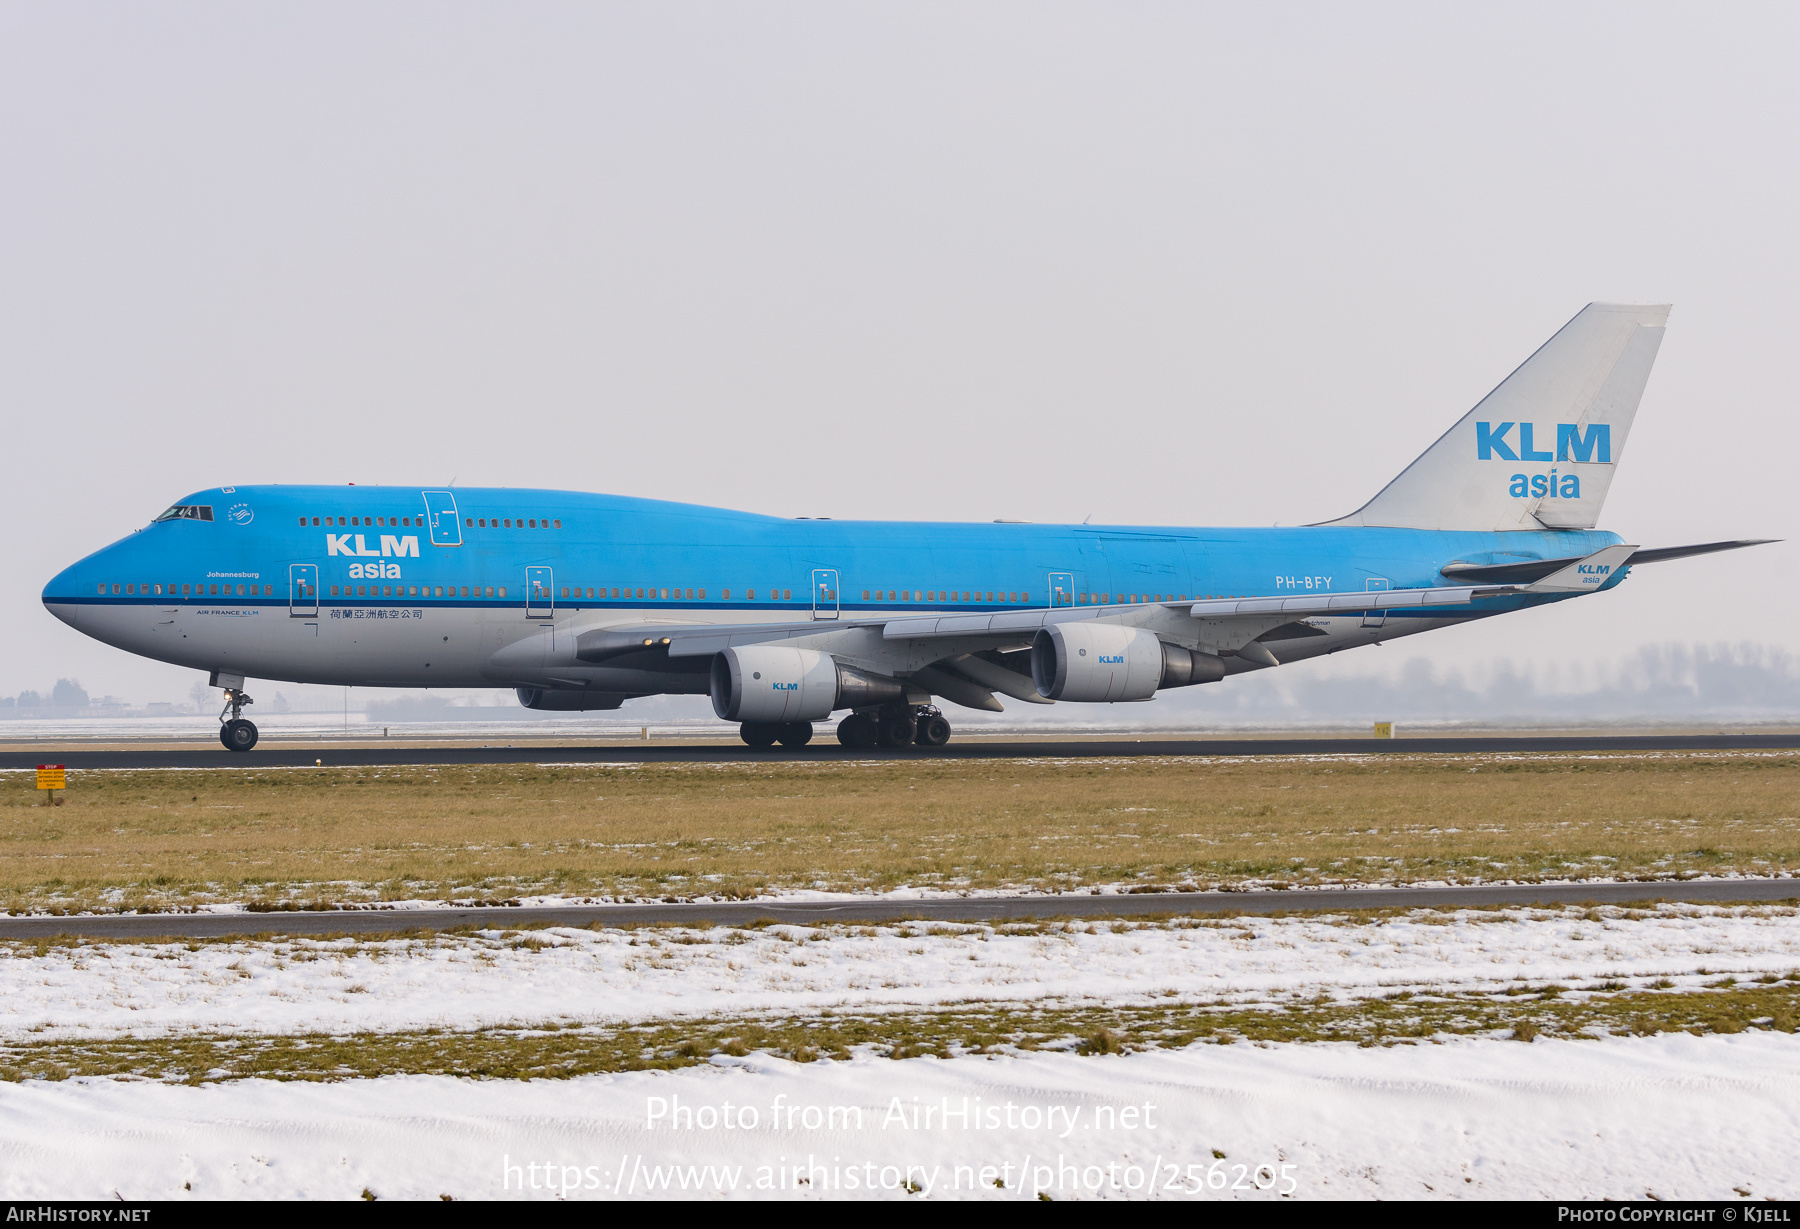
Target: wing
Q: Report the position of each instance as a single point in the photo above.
(966, 658)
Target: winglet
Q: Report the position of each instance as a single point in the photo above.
(1585, 575)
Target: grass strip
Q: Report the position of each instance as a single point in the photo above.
(277, 838)
(1522, 1013)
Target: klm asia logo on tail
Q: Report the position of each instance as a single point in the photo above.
(1572, 444)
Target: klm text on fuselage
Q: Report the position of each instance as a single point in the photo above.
(397, 547)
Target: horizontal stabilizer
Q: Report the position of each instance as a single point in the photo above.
(1585, 575)
(1705, 548)
(1527, 570)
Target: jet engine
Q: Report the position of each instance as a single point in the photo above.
(1099, 663)
(769, 683)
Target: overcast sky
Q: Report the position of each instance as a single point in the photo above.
(1168, 264)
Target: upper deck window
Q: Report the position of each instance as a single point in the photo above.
(186, 512)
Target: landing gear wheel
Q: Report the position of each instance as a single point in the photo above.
(759, 733)
(858, 731)
(238, 735)
(898, 730)
(235, 732)
(933, 731)
(796, 734)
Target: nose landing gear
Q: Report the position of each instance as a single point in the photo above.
(236, 732)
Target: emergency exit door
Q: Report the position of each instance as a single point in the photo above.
(440, 511)
(1375, 618)
(825, 593)
(1062, 589)
(303, 590)
(540, 598)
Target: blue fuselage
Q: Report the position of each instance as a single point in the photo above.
(404, 587)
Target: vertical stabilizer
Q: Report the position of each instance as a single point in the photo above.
(1539, 451)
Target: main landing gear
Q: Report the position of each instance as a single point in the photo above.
(903, 725)
(768, 733)
(237, 732)
(898, 725)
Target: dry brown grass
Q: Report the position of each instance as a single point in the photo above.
(169, 838)
(556, 1052)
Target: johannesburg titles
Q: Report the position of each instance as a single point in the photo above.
(580, 601)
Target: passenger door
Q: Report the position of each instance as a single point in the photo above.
(303, 590)
(1376, 618)
(446, 524)
(540, 597)
(1062, 589)
(825, 603)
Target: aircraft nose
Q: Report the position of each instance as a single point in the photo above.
(63, 594)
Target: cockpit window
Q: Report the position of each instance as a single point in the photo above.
(186, 512)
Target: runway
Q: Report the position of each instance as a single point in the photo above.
(959, 909)
(274, 755)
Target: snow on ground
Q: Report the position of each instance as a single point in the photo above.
(497, 977)
(1677, 1116)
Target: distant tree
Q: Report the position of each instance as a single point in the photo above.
(7, 703)
(30, 699)
(202, 696)
(69, 693)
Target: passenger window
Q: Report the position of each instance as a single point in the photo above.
(750, 595)
(469, 521)
(787, 595)
(865, 595)
(534, 524)
(725, 595)
(303, 522)
(131, 588)
(690, 596)
(559, 524)
(502, 590)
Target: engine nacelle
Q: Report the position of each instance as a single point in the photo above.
(1101, 663)
(546, 700)
(770, 683)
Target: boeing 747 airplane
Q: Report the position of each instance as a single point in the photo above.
(581, 601)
